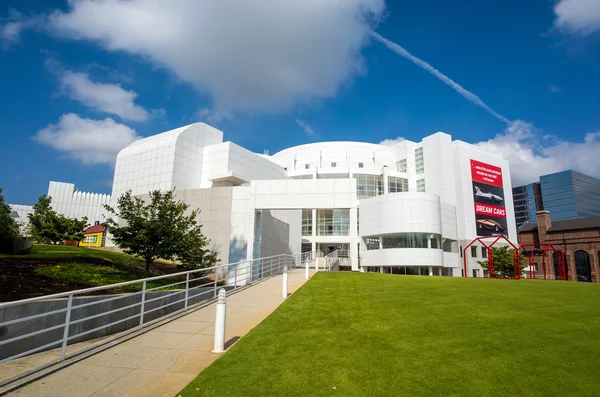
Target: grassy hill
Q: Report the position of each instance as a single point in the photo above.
(58, 268)
(371, 334)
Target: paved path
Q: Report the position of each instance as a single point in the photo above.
(164, 360)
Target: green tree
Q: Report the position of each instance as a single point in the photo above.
(42, 221)
(160, 229)
(46, 226)
(9, 228)
(504, 262)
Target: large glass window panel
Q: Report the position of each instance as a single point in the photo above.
(372, 243)
(333, 176)
(396, 184)
(449, 245)
(307, 222)
(419, 161)
(309, 176)
(401, 165)
(335, 222)
(368, 185)
(421, 185)
(411, 240)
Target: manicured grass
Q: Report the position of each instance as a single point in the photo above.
(97, 275)
(389, 335)
(48, 251)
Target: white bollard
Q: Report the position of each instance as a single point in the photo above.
(306, 273)
(317, 264)
(284, 287)
(219, 346)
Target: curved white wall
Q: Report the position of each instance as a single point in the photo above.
(402, 257)
(400, 213)
(346, 155)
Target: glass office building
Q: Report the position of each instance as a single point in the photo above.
(567, 195)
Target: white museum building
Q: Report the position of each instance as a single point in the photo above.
(408, 208)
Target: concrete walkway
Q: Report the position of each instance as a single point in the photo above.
(164, 360)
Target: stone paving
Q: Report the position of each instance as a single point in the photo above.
(164, 360)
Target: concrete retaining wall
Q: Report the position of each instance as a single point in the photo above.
(122, 300)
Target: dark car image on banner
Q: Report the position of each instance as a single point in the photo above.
(488, 196)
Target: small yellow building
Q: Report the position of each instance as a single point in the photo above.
(94, 236)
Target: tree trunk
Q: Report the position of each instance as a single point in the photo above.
(148, 263)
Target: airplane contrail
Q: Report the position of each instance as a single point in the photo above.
(457, 87)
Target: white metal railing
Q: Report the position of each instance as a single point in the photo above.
(331, 260)
(188, 288)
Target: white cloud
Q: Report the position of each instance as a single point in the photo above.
(10, 31)
(213, 117)
(421, 63)
(89, 141)
(392, 142)
(307, 128)
(107, 98)
(578, 17)
(531, 154)
(246, 55)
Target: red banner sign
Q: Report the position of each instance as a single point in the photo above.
(486, 173)
(491, 210)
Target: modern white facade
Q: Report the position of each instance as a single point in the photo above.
(406, 208)
(67, 201)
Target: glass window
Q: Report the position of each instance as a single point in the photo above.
(473, 251)
(368, 185)
(435, 241)
(401, 165)
(361, 165)
(334, 222)
(483, 252)
(307, 222)
(420, 185)
(396, 184)
(419, 161)
(449, 245)
(306, 247)
(475, 272)
(333, 164)
(306, 166)
(372, 243)
(445, 271)
(333, 176)
(302, 177)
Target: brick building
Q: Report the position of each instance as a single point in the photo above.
(579, 239)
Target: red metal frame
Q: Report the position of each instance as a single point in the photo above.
(546, 248)
(490, 255)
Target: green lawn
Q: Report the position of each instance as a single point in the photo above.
(389, 335)
(47, 251)
(57, 268)
(97, 275)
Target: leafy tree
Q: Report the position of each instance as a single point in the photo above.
(41, 221)
(160, 229)
(46, 226)
(9, 228)
(504, 265)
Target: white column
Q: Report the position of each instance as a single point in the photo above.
(306, 274)
(385, 180)
(381, 269)
(219, 346)
(430, 271)
(354, 239)
(284, 287)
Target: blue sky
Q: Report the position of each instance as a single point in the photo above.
(81, 79)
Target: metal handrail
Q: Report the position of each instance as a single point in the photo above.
(234, 275)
